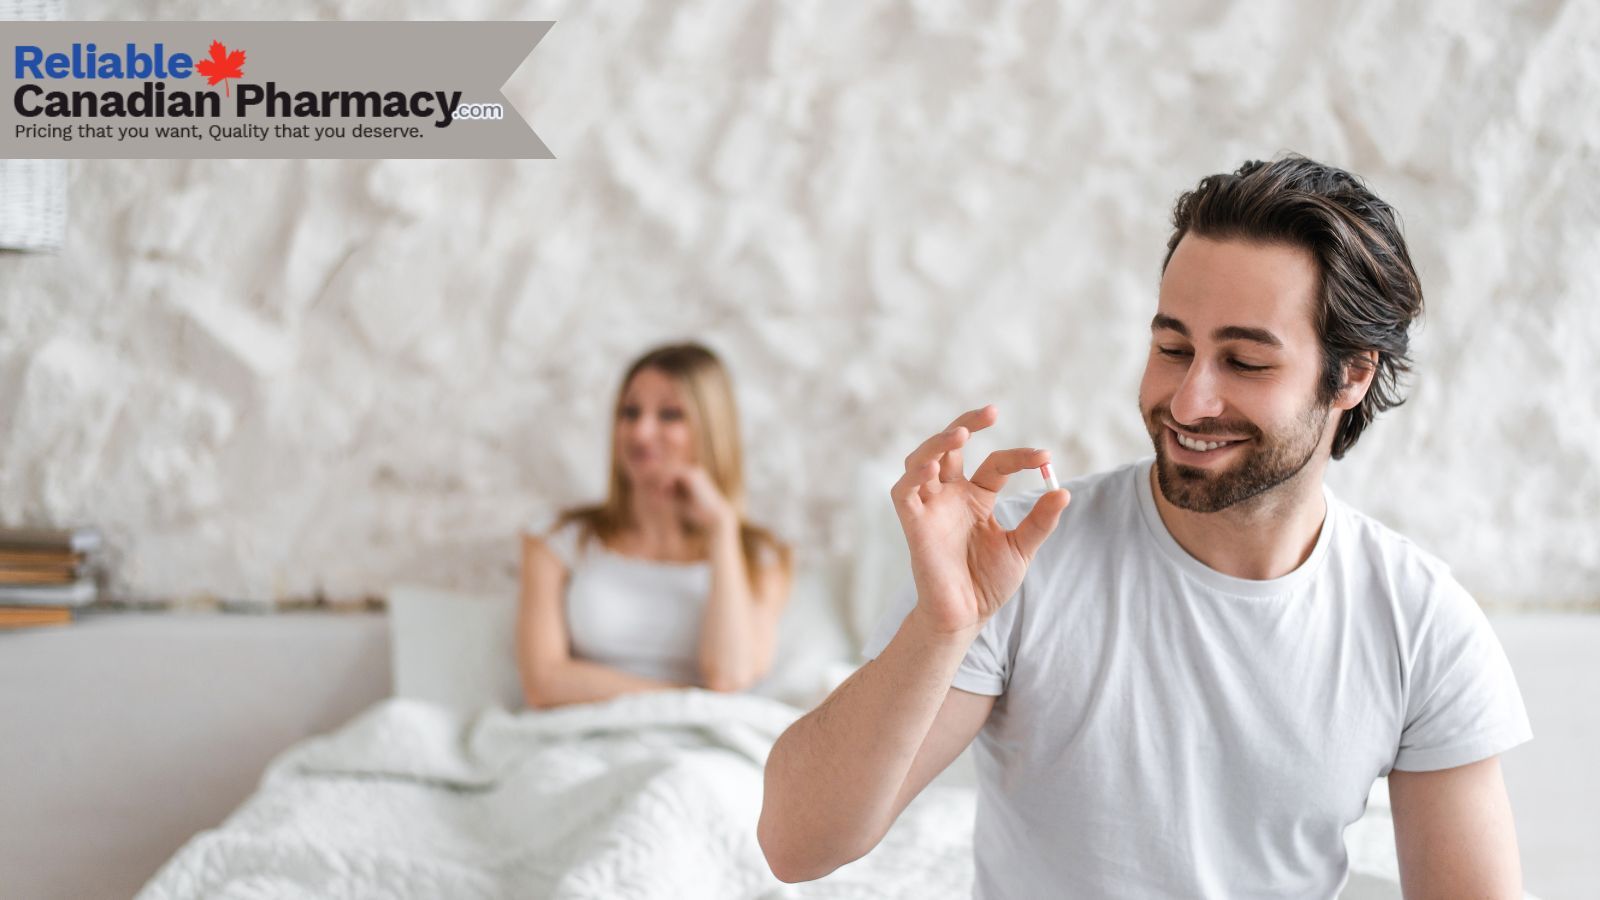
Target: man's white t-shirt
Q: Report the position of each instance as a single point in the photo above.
(1164, 730)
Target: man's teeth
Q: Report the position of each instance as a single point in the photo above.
(1199, 445)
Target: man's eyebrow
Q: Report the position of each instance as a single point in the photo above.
(1241, 333)
(1225, 333)
(1162, 320)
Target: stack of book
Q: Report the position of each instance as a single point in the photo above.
(45, 574)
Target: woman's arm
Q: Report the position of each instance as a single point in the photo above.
(550, 676)
(739, 634)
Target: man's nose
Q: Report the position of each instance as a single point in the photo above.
(1197, 396)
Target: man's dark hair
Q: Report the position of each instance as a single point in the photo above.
(1369, 293)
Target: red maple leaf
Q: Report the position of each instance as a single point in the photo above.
(221, 66)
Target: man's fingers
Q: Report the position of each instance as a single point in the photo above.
(1040, 521)
(945, 447)
(976, 419)
(972, 420)
(930, 450)
(950, 465)
(997, 466)
(907, 492)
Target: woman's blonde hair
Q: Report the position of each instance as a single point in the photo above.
(707, 391)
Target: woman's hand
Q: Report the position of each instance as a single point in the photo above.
(701, 500)
(965, 565)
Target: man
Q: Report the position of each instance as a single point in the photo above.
(1188, 688)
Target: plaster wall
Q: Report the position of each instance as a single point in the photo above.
(278, 378)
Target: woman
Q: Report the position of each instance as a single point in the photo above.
(664, 585)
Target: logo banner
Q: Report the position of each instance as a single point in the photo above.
(264, 90)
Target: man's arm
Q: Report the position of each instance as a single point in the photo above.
(1454, 834)
(839, 777)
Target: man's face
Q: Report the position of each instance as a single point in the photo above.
(1234, 361)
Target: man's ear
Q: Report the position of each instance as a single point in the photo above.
(1358, 375)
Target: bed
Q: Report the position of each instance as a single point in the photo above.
(648, 796)
(449, 789)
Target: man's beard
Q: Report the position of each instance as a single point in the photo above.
(1266, 461)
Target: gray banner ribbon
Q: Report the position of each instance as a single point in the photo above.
(301, 90)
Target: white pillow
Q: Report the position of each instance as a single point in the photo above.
(453, 648)
(881, 566)
(815, 649)
(458, 649)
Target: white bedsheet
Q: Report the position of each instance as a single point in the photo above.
(650, 795)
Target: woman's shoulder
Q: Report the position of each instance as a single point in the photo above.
(764, 548)
(566, 534)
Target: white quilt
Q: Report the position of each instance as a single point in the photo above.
(650, 795)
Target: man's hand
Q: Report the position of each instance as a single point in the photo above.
(964, 564)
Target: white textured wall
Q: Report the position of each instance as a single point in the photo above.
(269, 378)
